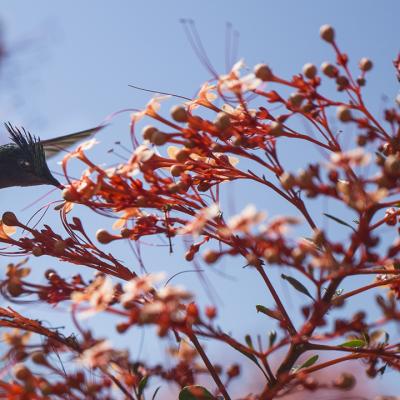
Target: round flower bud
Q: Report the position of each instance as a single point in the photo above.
(342, 81)
(148, 131)
(104, 237)
(329, 69)
(275, 128)
(176, 170)
(21, 372)
(179, 114)
(343, 114)
(365, 64)
(210, 256)
(59, 246)
(309, 70)
(70, 194)
(287, 180)
(233, 371)
(392, 165)
(39, 358)
(222, 121)
(361, 81)
(211, 312)
(9, 218)
(182, 155)
(295, 99)
(327, 33)
(263, 72)
(15, 288)
(37, 251)
(345, 381)
(159, 138)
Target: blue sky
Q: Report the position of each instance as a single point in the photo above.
(70, 64)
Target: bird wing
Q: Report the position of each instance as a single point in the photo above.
(54, 146)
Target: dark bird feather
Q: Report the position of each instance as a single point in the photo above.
(23, 162)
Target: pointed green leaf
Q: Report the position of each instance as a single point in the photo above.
(142, 385)
(267, 311)
(297, 285)
(311, 361)
(339, 221)
(272, 337)
(353, 343)
(249, 341)
(195, 392)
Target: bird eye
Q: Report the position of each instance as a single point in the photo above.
(24, 164)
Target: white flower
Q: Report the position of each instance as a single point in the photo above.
(98, 355)
(139, 286)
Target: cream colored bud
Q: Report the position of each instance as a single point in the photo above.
(365, 64)
(159, 138)
(263, 72)
(309, 70)
(329, 70)
(210, 256)
(295, 99)
(327, 33)
(179, 114)
(176, 170)
(9, 218)
(104, 237)
(287, 180)
(392, 165)
(148, 131)
(222, 121)
(275, 128)
(343, 114)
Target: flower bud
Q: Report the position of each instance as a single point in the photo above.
(295, 99)
(222, 121)
(329, 69)
(104, 237)
(59, 246)
(182, 155)
(233, 371)
(365, 64)
(21, 372)
(392, 165)
(159, 138)
(39, 358)
(210, 256)
(148, 131)
(37, 251)
(179, 114)
(176, 170)
(15, 288)
(211, 312)
(9, 218)
(309, 70)
(263, 72)
(343, 114)
(275, 128)
(287, 180)
(70, 194)
(327, 33)
(345, 381)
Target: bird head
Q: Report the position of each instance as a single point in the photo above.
(23, 162)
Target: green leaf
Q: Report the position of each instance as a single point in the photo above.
(142, 385)
(195, 392)
(272, 337)
(339, 221)
(297, 285)
(353, 343)
(267, 311)
(249, 341)
(311, 361)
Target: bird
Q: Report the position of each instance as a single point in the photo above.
(23, 162)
